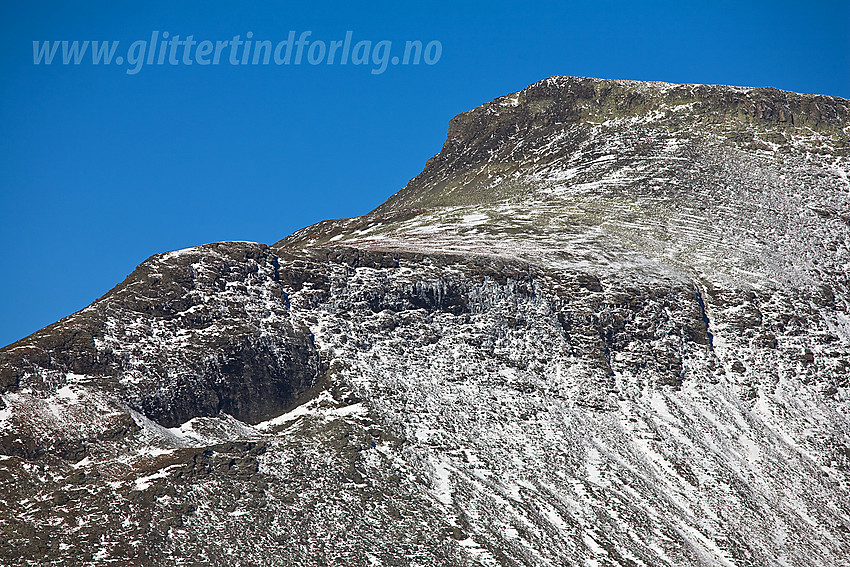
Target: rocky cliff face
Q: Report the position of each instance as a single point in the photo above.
(607, 325)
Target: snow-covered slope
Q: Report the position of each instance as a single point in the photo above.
(607, 325)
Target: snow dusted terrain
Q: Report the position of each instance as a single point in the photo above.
(607, 325)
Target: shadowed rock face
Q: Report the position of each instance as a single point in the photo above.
(180, 338)
(608, 324)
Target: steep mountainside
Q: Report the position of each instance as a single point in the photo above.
(607, 325)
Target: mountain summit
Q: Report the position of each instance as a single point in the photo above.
(608, 324)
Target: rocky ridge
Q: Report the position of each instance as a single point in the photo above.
(608, 324)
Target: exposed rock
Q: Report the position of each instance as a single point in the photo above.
(608, 324)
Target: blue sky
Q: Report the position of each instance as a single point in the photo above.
(101, 169)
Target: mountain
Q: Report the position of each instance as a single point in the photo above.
(607, 325)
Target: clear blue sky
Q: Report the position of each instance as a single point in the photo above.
(100, 169)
